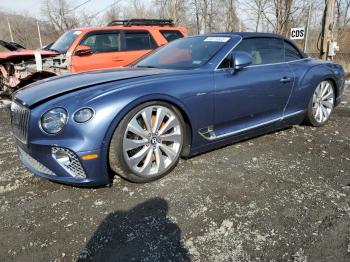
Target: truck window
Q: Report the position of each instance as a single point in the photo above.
(139, 40)
(103, 42)
(171, 35)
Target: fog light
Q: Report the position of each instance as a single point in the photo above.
(62, 158)
(69, 161)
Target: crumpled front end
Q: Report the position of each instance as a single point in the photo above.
(22, 69)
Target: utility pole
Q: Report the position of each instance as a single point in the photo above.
(258, 17)
(327, 28)
(10, 30)
(307, 29)
(39, 34)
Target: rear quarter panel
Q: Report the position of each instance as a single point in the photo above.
(308, 74)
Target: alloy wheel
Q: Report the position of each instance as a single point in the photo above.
(323, 102)
(152, 140)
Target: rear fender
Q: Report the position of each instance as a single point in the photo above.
(306, 84)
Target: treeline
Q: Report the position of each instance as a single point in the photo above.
(199, 16)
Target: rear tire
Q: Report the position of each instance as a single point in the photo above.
(321, 104)
(148, 142)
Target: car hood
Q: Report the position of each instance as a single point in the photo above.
(11, 46)
(55, 86)
(25, 53)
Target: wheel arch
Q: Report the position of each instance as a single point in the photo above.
(335, 86)
(149, 98)
(315, 75)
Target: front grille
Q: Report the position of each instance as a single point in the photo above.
(26, 158)
(72, 165)
(20, 116)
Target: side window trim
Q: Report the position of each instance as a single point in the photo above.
(102, 32)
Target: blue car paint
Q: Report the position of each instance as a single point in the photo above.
(206, 96)
(240, 92)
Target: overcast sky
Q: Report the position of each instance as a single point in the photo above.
(33, 7)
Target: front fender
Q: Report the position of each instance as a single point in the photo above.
(136, 102)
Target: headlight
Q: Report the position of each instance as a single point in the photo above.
(54, 120)
(83, 115)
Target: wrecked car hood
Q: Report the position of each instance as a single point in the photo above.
(25, 52)
(11, 46)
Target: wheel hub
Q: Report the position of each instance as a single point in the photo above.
(154, 140)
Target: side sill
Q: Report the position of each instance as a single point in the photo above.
(208, 133)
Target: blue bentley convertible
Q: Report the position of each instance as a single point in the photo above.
(193, 95)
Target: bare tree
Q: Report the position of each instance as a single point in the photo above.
(172, 9)
(230, 21)
(60, 15)
(343, 12)
(111, 15)
(138, 9)
(197, 16)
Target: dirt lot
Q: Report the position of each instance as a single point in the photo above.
(279, 197)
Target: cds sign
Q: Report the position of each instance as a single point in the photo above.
(297, 33)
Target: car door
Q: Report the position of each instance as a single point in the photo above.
(105, 46)
(255, 95)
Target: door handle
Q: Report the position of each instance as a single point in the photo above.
(117, 59)
(285, 80)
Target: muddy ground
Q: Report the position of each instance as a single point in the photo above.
(279, 197)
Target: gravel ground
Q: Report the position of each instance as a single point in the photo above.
(279, 197)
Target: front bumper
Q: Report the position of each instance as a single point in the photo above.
(39, 159)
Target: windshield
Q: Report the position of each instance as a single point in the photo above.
(185, 53)
(65, 41)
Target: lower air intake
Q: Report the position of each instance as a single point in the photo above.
(69, 161)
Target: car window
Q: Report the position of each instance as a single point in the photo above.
(263, 50)
(139, 40)
(291, 53)
(171, 35)
(65, 41)
(106, 42)
(185, 53)
(227, 62)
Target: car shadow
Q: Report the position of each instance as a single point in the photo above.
(143, 233)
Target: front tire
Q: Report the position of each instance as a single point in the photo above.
(148, 142)
(321, 104)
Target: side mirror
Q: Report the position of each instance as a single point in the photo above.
(82, 50)
(241, 60)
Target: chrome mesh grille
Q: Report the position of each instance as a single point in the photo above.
(73, 167)
(20, 116)
(34, 163)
